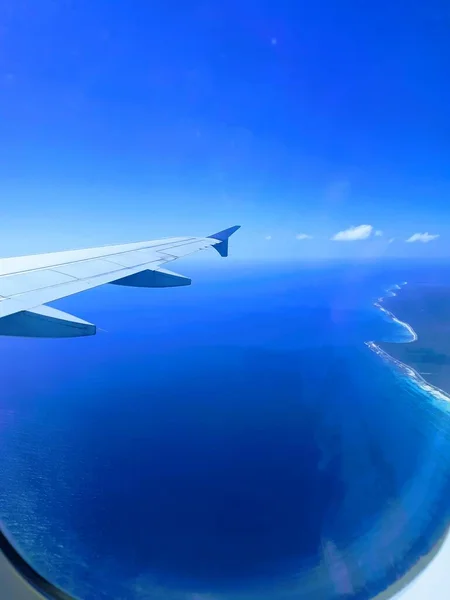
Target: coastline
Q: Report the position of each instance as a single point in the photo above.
(404, 368)
(425, 385)
(428, 577)
(391, 293)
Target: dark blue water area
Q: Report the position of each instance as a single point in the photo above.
(234, 439)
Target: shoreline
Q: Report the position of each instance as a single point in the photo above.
(410, 372)
(428, 567)
(404, 368)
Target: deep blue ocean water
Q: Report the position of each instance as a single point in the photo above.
(234, 439)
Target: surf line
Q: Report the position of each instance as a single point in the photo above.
(392, 316)
(403, 367)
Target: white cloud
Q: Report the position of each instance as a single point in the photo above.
(378, 233)
(361, 232)
(268, 237)
(391, 240)
(303, 236)
(422, 237)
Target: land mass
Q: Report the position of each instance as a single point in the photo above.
(426, 308)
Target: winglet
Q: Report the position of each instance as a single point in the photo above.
(222, 236)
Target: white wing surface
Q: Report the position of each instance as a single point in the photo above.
(27, 283)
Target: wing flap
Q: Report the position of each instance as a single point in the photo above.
(131, 259)
(184, 250)
(86, 268)
(45, 322)
(12, 285)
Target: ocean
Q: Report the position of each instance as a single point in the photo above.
(234, 440)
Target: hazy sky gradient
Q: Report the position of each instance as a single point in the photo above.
(123, 121)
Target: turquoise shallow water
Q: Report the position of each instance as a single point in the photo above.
(237, 439)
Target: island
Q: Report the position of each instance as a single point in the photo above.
(426, 311)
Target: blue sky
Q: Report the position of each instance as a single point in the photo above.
(123, 121)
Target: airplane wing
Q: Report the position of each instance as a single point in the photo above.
(27, 283)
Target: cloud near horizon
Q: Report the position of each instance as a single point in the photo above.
(268, 237)
(422, 237)
(303, 236)
(353, 234)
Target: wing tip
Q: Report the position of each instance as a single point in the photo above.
(222, 237)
